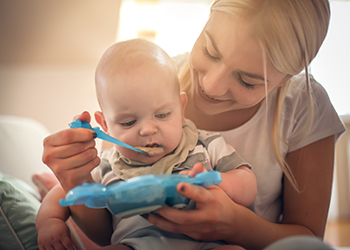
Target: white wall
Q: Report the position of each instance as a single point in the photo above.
(48, 54)
(49, 94)
(331, 65)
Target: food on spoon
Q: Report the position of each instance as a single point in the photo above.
(152, 151)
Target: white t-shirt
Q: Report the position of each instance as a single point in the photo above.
(252, 140)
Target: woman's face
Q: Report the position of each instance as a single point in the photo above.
(227, 67)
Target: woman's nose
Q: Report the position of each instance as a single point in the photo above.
(148, 128)
(215, 82)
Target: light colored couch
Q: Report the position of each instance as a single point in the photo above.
(21, 147)
(24, 180)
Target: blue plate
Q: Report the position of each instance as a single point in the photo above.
(138, 195)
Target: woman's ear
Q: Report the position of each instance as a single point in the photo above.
(100, 119)
(183, 99)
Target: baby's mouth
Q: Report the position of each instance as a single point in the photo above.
(153, 149)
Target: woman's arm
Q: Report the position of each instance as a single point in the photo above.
(312, 167)
(218, 217)
(305, 211)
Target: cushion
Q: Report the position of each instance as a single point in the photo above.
(18, 209)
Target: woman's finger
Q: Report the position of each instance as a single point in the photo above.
(58, 163)
(192, 222)
(163, 223)
(69, 136)
(70, 178)
(204, 199)
(84, 117)
(194, 192)
(75, 149)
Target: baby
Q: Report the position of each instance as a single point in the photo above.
(141, 104)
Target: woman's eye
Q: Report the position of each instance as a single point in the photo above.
(128, 124)
(162, 116)
(206, 52)
(243, 83)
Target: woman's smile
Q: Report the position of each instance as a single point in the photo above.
(207, 97)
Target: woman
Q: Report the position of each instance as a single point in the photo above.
(243, 79)
(249, 50)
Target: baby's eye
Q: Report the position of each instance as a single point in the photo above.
(128, 124)
(162, 116)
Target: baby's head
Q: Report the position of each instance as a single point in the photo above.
(138, 93)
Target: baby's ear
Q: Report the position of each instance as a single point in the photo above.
(100, 119)
(183, 98)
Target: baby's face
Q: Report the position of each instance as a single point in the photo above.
(144, 109)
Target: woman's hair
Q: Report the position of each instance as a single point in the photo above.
(290, 33)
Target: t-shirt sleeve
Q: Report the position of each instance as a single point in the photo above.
(223, 157)
(325, 120)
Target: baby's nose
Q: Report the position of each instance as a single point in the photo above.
(148, 128)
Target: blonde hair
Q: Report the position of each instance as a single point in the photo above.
(290, 33)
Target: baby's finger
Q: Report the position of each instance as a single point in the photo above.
(59, 246)
(197, 168)
(47, 248)
(68, 244)
(185, 172)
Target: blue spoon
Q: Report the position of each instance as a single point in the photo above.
(102, 135)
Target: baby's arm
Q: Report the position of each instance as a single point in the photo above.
(95, 223)
(50, 222)
(240, 184)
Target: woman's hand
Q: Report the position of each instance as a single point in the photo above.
(71, 154)
(211, 220)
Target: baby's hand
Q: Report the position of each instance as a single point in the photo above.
(54, 234)
(197, 168)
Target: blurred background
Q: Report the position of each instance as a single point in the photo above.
(49, 51)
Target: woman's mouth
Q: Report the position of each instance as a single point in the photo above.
(207, 96)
